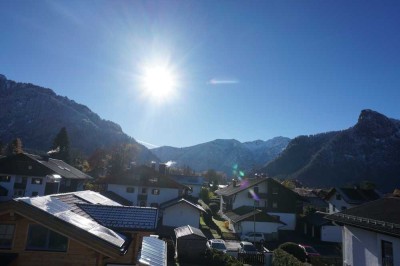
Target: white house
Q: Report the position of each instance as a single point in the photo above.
(145, 187)
(30, 175)
(261, 193)
(340, 199)
(195, 183)
(316, 226)
(180, 212)
(371, 233)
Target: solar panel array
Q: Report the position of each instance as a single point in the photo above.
(123, 217)
(61, 210)
(154, 252)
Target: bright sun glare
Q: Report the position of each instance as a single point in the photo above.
(159, 82)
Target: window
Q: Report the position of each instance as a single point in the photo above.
(338, 197)
(41, 238)
(274, 204)
(130, 190)
(35, 193)
(6, 235)
(5, 178)
(275, 190)
(255, 190)
(36, 181)
(144, 190)
(387, 253)
(156, 192)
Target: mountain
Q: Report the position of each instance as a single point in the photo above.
(35, 115)
(368, 151)
(224, 154)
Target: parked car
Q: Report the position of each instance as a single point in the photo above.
(247, 247)
(216, 244)
(310, 251)
(253, 237)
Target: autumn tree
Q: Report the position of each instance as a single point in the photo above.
(14, 147)
(61, 148)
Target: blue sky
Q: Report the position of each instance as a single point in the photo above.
(290, 67)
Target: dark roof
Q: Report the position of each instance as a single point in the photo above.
(188, 180)
(188, 230)
(382, 215)
(246, 213)
(173, 202)
(241, 185)
(317, 218)
(117, 198)
(35, 165)
(356, 195)
(143, 176)
(123, 217)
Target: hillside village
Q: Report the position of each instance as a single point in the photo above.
(52, 213)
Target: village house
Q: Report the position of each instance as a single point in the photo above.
(371, 233)
(179, 212)
(313, 199)
(340, 199)
(279, 204)
(314, 225)
(77, 228)
(143, 186)
(30, 175)
(195, 183)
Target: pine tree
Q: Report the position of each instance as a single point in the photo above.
(14, 147)
(61, 146)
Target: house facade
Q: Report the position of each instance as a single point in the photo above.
(80, 228)
(261, 193)
(27, 175)
(195, 183)
(371, 233)
(340, 199)
(314, 225)
(145, 187)
(180, 212)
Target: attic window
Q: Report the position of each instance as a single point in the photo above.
(36, 181)
(156, 192)
(41, 238)
(6, 235)
(275, 191)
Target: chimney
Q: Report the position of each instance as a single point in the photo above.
(162, 168)
(234, 182)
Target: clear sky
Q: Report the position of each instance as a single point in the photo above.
(241, 69)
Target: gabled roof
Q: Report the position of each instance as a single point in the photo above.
(188, 180)
(88, 217)
(246, 213)
(188, 230)
(355, 195)
(173, 202)
(317, 219)
(382, 215)
(154, 252)
(123, 217)
(143, 176)
(35, 165)
(238, 186)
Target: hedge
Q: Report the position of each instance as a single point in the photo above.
(282, 258)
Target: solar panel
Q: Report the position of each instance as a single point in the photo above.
(95, 198)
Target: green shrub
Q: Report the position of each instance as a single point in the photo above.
(217, 258)
(282, 258)
(295, 250)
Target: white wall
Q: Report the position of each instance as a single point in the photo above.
(262, 227)
(362, 247)
(288, 218)
(336, 205)
(166, 194)
(30, 188)
(331, 233)
(181, 214)
(10, 187)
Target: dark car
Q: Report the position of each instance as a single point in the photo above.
(310, 251)
(247, 248)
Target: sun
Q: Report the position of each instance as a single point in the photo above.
(159, 82)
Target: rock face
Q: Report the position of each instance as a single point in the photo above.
(36, 114)
(370, 150)
(224, 154)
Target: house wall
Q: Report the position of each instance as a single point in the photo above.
(242, 198)
(337, 205)
(331, 233)
(363, 247)
(9, 186)
(262, 227)
(29, 189)
(181, 214)
(166, 194)
(288, 218)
